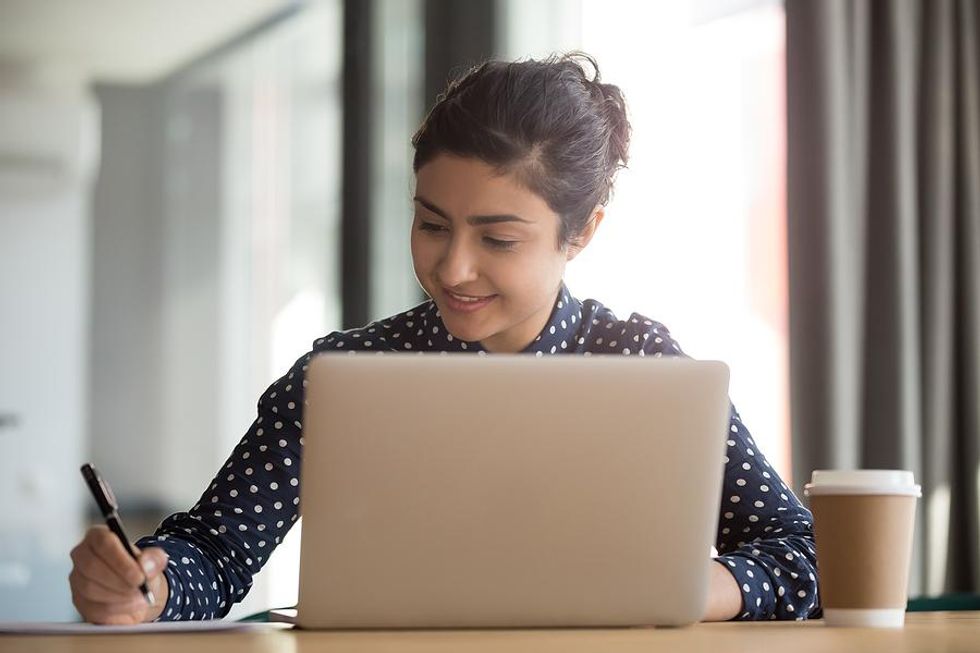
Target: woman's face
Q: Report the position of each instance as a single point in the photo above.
(479, 234)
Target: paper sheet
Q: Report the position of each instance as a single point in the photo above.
(58, 628)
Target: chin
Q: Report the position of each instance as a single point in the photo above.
(462, 332)
(463, 327)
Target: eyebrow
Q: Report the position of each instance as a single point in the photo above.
(475, 220)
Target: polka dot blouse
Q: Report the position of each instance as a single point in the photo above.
(764, 538)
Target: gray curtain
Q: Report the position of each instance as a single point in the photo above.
(884, 257)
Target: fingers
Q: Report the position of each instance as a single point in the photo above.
(110, 550)
(91, 566)
(153, 560)
(127, 612)
(100, 605)
(105, 580)
(92, 589)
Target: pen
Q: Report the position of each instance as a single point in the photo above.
(107, 504)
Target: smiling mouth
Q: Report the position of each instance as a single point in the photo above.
(468, 298)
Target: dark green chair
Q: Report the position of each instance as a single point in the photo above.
(944, 603)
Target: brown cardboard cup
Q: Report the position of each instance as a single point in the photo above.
(863, 523)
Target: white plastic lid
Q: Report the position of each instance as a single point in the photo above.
(862, 481)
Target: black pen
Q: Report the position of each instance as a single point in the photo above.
(107, 504)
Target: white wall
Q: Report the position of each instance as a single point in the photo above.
(46, 160)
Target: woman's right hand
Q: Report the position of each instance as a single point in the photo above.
(105, 580)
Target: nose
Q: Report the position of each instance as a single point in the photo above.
(458, 264)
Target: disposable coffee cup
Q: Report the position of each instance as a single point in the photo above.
(863, 524)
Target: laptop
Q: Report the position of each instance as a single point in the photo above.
(462, 491)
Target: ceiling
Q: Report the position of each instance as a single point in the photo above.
(120, 40)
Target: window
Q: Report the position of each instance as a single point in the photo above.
(694, 235)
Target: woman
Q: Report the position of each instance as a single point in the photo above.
(513, 167)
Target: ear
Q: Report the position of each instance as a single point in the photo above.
(585, 237)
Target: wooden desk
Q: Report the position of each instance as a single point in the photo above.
(950, 632)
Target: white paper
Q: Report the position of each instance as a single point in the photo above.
(60, 628)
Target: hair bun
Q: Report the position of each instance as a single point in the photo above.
(614, 108)
(611, 105)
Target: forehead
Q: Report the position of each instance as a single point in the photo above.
(467, 186)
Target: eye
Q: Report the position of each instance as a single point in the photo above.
(499, 244)
(495, 243)
(431, 226)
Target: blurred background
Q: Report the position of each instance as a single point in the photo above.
(192, 192)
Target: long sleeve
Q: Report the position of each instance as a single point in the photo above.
(250, 505)
(765, 535)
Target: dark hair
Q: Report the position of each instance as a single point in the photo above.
(564, 135)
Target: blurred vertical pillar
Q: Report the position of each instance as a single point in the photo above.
(458, 34)
(356, 170)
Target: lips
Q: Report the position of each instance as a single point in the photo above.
(466, 303)
(468, 298)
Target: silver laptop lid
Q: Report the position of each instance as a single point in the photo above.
(509, 490)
